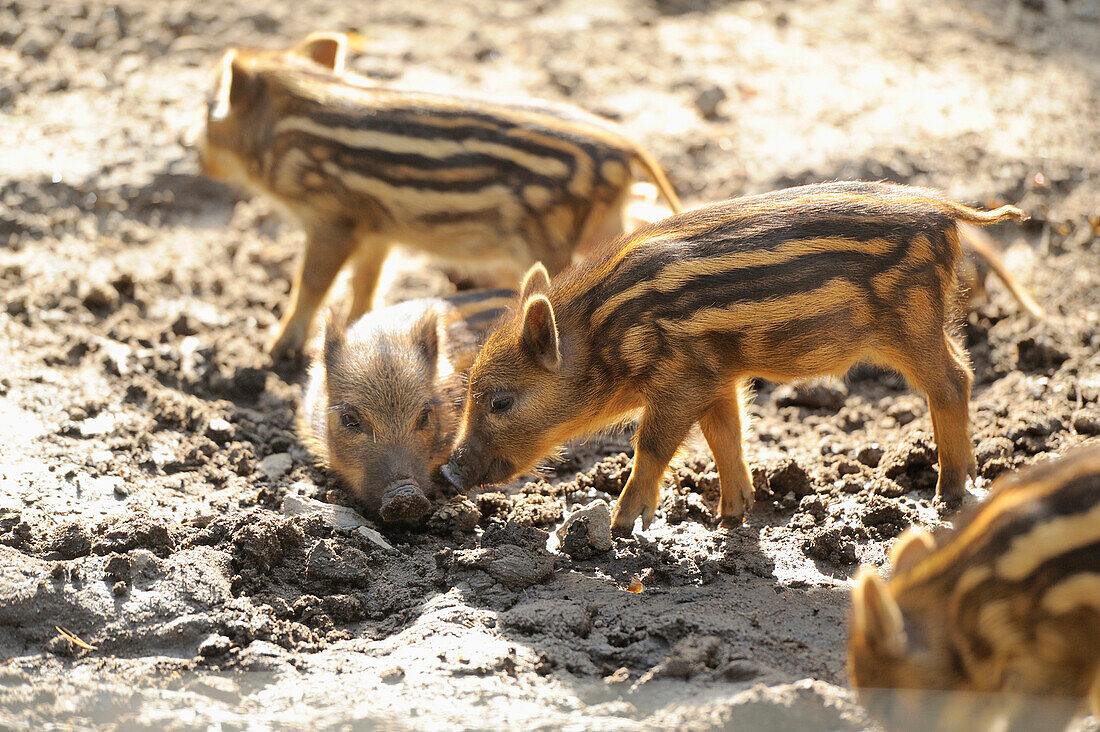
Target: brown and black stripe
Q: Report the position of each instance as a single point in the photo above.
(783, 276)
(458, 158)
(1037, 536)
(1018, 582)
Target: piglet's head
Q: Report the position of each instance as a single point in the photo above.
(517, 394)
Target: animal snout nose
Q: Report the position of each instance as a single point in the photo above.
(452, 473)
(403, 500)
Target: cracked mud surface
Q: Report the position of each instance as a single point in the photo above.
(148, 447)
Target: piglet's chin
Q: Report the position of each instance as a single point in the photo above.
(500, 471)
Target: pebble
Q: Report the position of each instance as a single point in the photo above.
(214, 644)
(587, 531)
(340, 517)
(277, 465)
(220, 430)
(1087, 421)
(708, 101)
(98, 295)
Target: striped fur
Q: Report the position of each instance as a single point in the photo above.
(675, 317)
(383, 396)
(365, 166)
(1007, 601)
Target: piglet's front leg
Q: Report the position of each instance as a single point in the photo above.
(659, 435)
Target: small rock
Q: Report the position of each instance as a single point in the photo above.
(1087, 421)
(708, 100)
(214, 644)
(184, 325)
(587, 531)
(276, 466)
(374, 537)
(219, 430)
(97, 295)
(392, 675)
(340, 517)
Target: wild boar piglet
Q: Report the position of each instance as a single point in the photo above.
(1006, 603)
(384, 396)
(674, 318)
(488, 186)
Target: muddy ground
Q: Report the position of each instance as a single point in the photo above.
(148, 448)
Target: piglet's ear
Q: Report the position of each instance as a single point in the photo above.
(913, 546)
(876, 617)
(540, 332)
(240, 87)
(326, 48)
(535, 282)
(220, 109)
(426, 337)
(334, 337)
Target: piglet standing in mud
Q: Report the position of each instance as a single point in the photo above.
(383, 397)
(673, 319)
(490, 187)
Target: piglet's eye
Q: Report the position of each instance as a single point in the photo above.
(350, 421)
(501, 403)
(422, 420)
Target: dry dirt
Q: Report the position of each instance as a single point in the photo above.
(140, 502)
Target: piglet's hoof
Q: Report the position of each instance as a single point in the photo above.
(729, 523)
(403, 502)
(622, 532)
